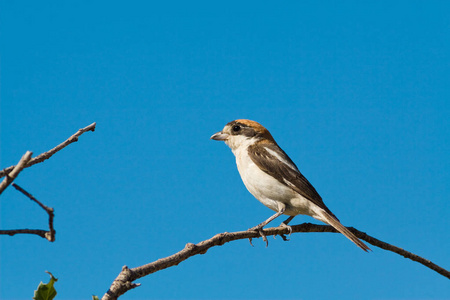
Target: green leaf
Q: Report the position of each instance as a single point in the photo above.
(46, 291)
(95, 297)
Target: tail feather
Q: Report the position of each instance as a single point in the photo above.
(327, 218)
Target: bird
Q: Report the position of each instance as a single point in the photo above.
(273, 178)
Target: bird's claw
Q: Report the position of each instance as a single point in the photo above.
(284, 225)
(284, 238)
(261, 233)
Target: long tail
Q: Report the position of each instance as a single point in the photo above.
(327, 218)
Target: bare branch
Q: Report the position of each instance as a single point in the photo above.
(39, 232)
(124, 281)
(26, 161)
(48, 154)
(15, 170)
(49, 235)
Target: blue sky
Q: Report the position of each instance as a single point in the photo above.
(358, 94)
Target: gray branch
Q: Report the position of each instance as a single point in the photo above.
(26, 161)
(15, 170)
(125, 280)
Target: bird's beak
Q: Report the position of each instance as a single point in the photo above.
(219, 136)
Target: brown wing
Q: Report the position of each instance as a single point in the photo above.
(285, 170)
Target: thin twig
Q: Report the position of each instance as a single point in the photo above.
(48, 154)
(26, 161)
(125, 280)
(15, 170)
(39, 232)
(50, 234)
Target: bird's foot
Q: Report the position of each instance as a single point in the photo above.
(259, 229)
(284, 225)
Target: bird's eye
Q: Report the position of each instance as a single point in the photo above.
(236, 128)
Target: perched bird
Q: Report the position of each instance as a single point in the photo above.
(272, 178)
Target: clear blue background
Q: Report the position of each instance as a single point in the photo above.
(357, 93)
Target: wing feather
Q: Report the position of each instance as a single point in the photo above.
(275, 162)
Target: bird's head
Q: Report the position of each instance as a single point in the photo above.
(243, 133)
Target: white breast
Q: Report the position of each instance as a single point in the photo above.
(268, 190)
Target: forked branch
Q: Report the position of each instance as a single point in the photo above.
(15, 170)
(26, 161)
(50, 234)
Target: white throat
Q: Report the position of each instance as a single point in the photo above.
(239, 143)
